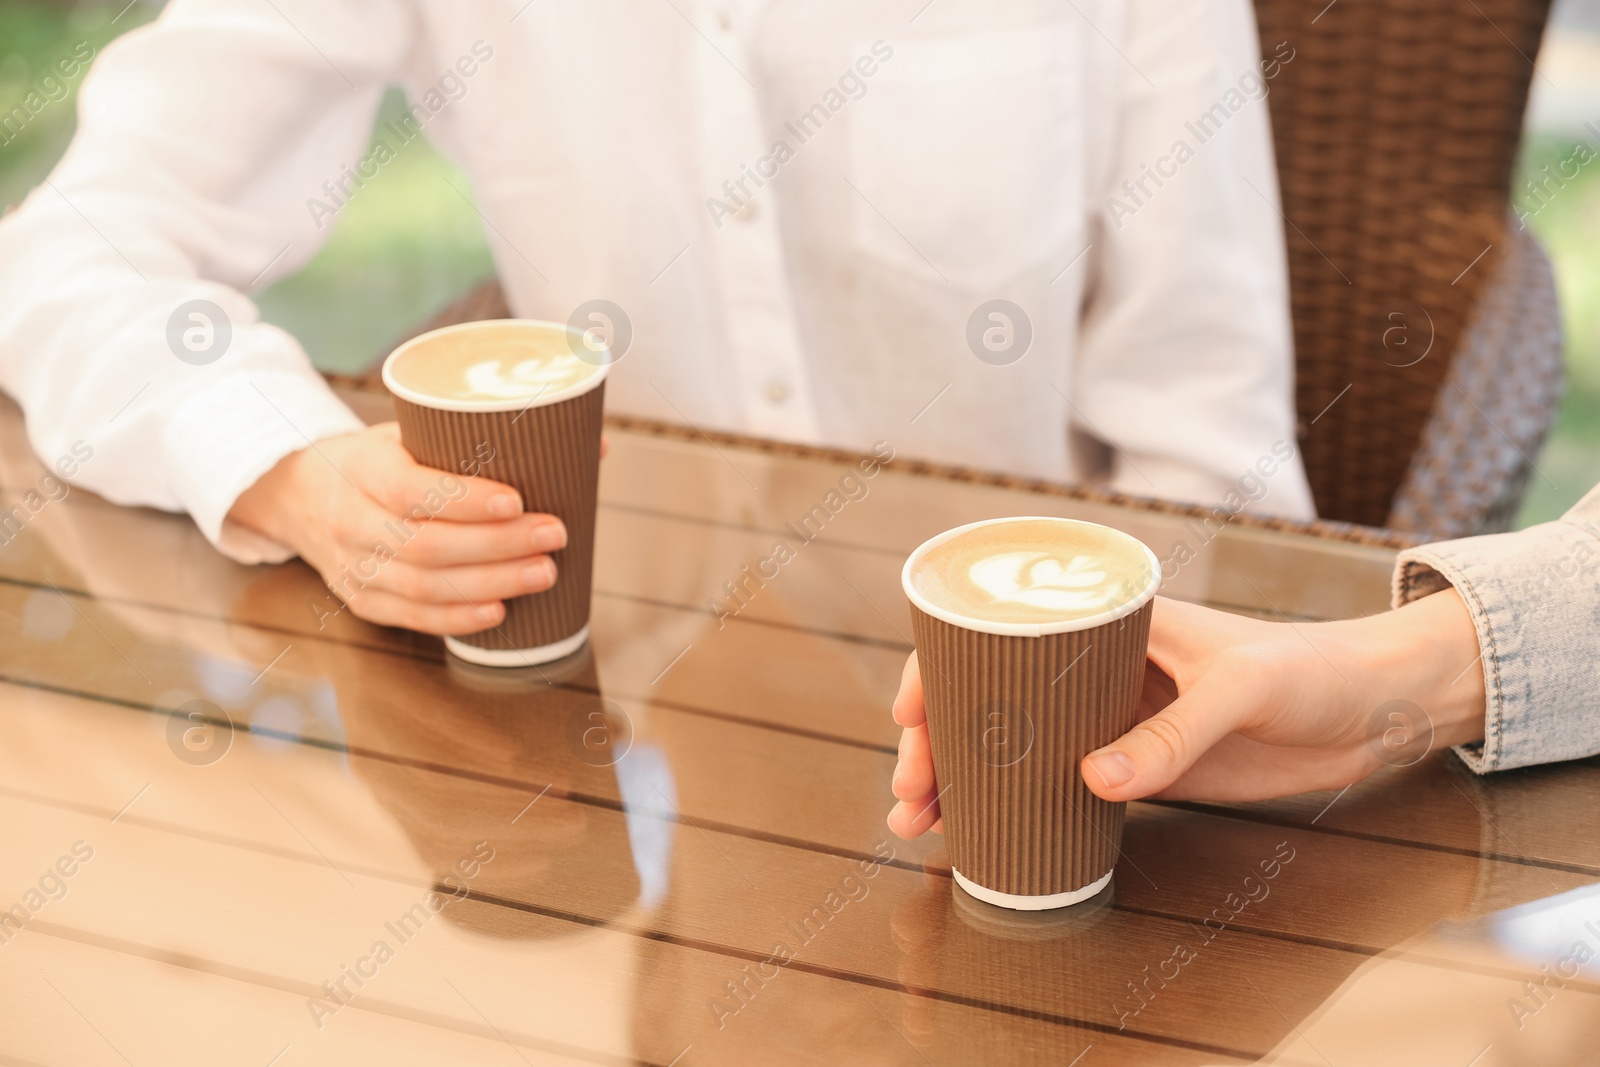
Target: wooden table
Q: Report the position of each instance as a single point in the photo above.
(337, 845)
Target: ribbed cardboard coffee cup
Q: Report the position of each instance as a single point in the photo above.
(1012, 710)
(547, 448)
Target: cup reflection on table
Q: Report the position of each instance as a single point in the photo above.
(543, 735)
(575, 796)
(411, 716)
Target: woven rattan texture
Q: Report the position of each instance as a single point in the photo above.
(1396, 126)
(1497, 402)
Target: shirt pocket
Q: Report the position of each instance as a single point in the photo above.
(967, 154)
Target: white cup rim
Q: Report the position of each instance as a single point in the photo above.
(513, 404)
(1027, 629)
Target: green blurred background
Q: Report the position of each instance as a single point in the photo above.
(408, 243)
(402, 248)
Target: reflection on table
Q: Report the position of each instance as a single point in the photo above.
(335, 844)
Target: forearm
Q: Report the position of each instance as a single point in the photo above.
(199, 138)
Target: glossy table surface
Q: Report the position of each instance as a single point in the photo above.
(238, 838)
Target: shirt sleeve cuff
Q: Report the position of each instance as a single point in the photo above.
(1531, 595)
(226, 436)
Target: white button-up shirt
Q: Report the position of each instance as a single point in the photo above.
(803, 210)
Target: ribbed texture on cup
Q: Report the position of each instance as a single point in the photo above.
(551, 455)
(1009, 719)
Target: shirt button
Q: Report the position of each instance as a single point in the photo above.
(724, 19)
(777, 390)
(746, 212)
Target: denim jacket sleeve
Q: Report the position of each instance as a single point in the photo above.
(1534, 596)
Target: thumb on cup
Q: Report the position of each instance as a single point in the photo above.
(1157, 752)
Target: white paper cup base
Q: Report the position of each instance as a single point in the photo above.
(1025, 903)
(517, 657)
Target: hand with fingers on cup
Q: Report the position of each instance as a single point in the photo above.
(400, 543)
(1235, 708)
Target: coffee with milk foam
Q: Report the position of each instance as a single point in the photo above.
(493, 363)
(1033, 571)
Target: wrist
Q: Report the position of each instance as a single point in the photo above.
(1427, 653)
(266, 507)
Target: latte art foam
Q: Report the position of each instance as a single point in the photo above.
(492, 363)
(1041, 580)
(1033, 571)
